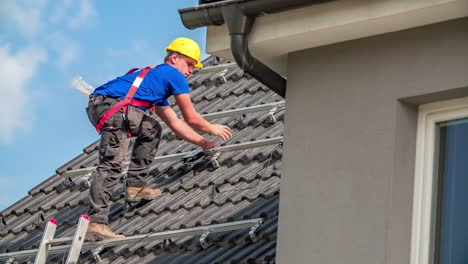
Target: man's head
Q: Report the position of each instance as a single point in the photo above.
(181, 62)
(184, 54)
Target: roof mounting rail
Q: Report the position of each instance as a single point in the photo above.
(49, 245)
(218, 67)
(246, 110)
(178, 156)
(210, 116)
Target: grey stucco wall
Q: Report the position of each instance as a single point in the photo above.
(346, 193)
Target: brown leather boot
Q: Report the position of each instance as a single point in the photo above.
(98, 232)
(136, 194)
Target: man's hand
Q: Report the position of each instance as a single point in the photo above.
(196, 121)
(222, 131)
(206, 144)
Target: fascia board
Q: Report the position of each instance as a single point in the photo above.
(278, 34)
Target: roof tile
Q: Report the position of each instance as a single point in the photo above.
(245, 186)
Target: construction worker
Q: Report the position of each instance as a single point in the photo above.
(126, 107)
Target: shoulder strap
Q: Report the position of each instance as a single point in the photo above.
(126, 101)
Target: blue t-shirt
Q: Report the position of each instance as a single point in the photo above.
(158, 85)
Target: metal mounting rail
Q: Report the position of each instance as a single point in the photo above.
(219, 67)
(210, 116)
(233, 147)
(271, 107)
(171, 157)
(253, 224)
(244, 110)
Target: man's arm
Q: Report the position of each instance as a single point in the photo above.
(196, 121)
(167, 114)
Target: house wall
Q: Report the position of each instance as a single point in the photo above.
(275, 35)
(347, 189)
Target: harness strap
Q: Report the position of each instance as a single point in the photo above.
(128, 100)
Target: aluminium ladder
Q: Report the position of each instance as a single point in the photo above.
(74, 245)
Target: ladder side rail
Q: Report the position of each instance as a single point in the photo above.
(78, 240)
(44, 247)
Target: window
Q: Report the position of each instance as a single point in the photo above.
(440, 211)
(451, 230)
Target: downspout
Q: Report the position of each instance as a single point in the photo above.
(239, 16)
(239, 26)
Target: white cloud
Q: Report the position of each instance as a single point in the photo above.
(16, 72)
(58, 13)
(26, 15)
(85, 14)
(67, 50)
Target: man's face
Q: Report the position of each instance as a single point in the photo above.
(183, 64)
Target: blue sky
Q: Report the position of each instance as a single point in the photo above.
(43, 45)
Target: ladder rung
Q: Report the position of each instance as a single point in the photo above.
(59, 240)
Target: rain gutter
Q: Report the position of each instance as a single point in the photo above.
(239, 16)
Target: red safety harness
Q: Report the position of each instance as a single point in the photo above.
(128, 100)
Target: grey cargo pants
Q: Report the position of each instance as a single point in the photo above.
(112, 149)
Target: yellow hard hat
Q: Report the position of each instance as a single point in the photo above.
(186, 47)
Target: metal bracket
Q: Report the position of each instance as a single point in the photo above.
(86, 180)
(67, 182)
(252, 235)
(201, 155)
(165, 243)
(96, 255)
(223, 78)
(214, 191)
(39, 218)
(203, 242)
(193, 156)
(271, 115)
(214, 159)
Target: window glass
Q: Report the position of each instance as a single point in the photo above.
(451, 236)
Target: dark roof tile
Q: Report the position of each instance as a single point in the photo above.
(244, 186)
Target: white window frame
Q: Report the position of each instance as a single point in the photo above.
(425, 184)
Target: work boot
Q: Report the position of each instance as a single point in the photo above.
(136, 194)
(98, 232)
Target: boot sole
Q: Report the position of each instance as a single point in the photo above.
(96, 237)
(138, 198)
